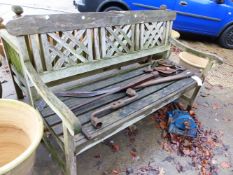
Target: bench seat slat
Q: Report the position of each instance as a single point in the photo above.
(130, 114)
(149, 95)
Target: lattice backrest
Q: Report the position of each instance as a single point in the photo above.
(153, 34)
(58, 41)
(67, 48)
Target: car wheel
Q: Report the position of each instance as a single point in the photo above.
(112, 8)
(226, 38)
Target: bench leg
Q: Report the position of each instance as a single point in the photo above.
(190, 97)
(18, 91)
(71, 161)
(194, 95)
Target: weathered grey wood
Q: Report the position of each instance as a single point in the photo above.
(36, 53)
(137, 36)
(100, 64)
(52, 132)
(163, 89)
(202, 54)
(77, 46)
(123, 77)
(90, 43)
(67, 22)
(45, 47)
(97, 43)
(137, 111)
(71, 161)
(103, 41)
(23, 52)
(64, 44)
(10, 39)
(69, 119)
(168, 31)
(54, 150)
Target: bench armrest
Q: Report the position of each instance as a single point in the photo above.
(67, 116)
(187, 48)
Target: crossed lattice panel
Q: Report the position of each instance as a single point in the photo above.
(152, 34)
(117, 40)
(67, 48)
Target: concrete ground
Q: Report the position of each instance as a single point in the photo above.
(214, 109)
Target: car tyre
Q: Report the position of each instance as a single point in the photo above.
(113, 8)
(226, 38)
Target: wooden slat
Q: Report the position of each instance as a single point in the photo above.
(119, 79)
(66, 46)
(99, 64)
(38, 24)
(36, 53)
(187, 48)
(45, 46)
(96, 43)
(90, 44)
(103, 41)
(68, 118)
(146, 97)
(137, 37)
(128, 115)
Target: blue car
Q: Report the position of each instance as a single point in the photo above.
(207, 17)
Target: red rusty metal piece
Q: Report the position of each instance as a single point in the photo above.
(95, 121)
(165, 70)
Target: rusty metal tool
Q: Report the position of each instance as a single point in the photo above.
(143, 79)
(97, 123)
(165, 69)
(113, 106)
(182, 75)
(84, 94)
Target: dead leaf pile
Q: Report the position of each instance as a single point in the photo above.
(201, 149)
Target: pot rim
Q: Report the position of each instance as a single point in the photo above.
(35, 142)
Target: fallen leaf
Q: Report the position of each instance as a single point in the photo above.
(163, 125)
(225, 165)
(166, 146)
(115, 147)
(216, 106)
(186, 152)
(115, 172)
(191, 112)
(133, 153)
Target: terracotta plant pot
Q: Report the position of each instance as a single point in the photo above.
(21, 130)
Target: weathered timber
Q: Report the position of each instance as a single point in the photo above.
(55, 51)
(38, 24)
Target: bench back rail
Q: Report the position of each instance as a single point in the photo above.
(67, 45)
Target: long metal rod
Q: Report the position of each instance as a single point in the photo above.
(143, 79)
(182, 75)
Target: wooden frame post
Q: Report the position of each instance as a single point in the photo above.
(71, 160)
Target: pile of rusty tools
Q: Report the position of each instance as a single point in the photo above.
(161, 72)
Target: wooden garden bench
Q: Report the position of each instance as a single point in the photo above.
(90, 51)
